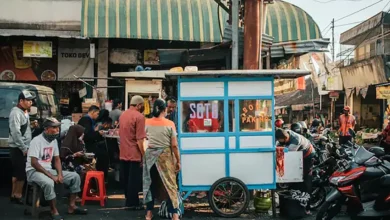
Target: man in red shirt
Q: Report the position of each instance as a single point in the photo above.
(132, 134)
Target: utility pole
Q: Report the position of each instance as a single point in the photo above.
(234, 10)
(333, 49)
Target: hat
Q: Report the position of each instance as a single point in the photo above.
(26, 95)
(135, 100)
(347, 108)
(51, 122)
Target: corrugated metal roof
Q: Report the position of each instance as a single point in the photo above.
(299, 47)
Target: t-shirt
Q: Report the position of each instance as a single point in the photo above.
(161, 132)
(44, 151)
(131, 129)
(115, 114)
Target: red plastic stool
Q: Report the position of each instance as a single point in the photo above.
(99, 176)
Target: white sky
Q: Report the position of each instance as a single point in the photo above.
(323, 13)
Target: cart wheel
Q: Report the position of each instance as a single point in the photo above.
(229, 197)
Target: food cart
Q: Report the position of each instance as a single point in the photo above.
(226, 133)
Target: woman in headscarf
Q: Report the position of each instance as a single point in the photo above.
(72, 148)
(161, 162)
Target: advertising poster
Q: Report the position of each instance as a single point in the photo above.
(40, 49)
(74, 61)
(15, 67)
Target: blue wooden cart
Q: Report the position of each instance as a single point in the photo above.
(226, 134)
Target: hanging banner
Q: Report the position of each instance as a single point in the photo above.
(383, 92)
(40, 49)
(74, 61)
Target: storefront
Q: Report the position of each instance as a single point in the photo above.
(51, 62)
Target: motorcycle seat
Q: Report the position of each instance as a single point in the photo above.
(385, 180)
(373, 172)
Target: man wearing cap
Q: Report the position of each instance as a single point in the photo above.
(43, 149)
(19, 141)
(346, 122)
(132, 135)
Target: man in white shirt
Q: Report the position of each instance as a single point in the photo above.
(39, 168)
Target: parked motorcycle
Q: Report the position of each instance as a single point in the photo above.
(362, 182)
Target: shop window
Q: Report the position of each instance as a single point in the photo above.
(202, 116)
(255, 115)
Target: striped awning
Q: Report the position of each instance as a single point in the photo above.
(181, 20)
(287, 22)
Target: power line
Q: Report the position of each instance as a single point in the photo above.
(340, 25)
(358, 11)
(366, 36)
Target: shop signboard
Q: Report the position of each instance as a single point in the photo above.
(74, 61)
(383, 92)
(40, 49)
(15, 67)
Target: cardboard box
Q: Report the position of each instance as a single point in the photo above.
(76, 117)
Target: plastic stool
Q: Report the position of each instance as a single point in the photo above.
(99, 176)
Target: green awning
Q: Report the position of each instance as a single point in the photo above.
(287, 22)
(181, 20)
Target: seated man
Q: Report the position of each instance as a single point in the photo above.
(39, 169)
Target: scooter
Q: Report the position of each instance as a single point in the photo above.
(362, 183)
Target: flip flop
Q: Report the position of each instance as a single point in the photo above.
(57, 217)
(78, 211)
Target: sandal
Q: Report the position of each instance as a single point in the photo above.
(57, 217)
(78, 211)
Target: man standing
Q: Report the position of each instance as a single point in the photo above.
(39, 168)
(297, 142)
(116, 112)
(132, 133)
(346, 122)
(171, 110)
(19, 141)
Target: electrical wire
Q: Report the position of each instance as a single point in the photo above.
(341, 25)
(366, 36)
(358, 11)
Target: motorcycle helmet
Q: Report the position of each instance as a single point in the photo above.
(378, 151)
(315, 123)
(297, 128)
(304, 126)
(279, 123)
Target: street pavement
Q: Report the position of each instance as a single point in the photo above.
(114, 210)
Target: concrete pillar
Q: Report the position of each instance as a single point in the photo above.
(102, 55)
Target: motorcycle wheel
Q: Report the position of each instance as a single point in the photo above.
(328, 210)
(318, 197)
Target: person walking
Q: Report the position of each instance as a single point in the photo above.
(132, 133)
(161, 162)
(19, 141)
(346, 122)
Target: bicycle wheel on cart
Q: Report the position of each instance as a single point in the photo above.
(229, 197)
